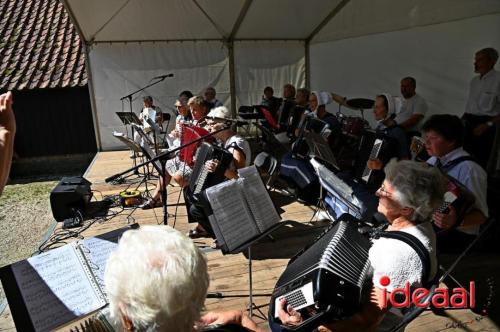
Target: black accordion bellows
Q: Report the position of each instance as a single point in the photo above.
(330, 279)
(201, 178)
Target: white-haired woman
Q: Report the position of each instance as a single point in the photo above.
(157, 280)
(242, 156)
(409, 194)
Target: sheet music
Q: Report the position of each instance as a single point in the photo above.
(231, 213)
(56, 287)
(258, 199)
(97, 251)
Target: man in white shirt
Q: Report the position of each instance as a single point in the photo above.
(149, 111)
(413, 106)
(443, 142)
(482, 111)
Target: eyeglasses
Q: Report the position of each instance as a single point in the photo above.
(383, 193)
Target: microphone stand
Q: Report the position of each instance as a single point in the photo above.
(163, 158)
(129, 98)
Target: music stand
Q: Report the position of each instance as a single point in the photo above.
(128, 118)
(132, 145)
(319, 147)
(341, 192)
(224, 226)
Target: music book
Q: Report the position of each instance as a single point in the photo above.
(60, 285)
(242, 209)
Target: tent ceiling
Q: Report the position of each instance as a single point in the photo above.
(366, 17)
(163, 20)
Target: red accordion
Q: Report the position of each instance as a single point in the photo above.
(188, 134)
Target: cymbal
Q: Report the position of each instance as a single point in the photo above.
(340, 100)
(360, 103)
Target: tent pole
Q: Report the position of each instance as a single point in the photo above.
(90, 83)
(232, 79)
(308, 63)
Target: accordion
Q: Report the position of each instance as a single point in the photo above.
(329, 280)
(201, 178)
(189, 134)
(374, 145)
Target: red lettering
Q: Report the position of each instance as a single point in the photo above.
(418, 295)
(440, 299)
(472, 294)
(459, 298)
(403, 291)
(384, 297)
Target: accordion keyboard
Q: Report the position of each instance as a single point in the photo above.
(373, 154)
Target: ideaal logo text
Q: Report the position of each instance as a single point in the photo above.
(441, 298)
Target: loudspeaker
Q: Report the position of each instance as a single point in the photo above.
(70, 194)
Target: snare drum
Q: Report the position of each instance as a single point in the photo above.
(353, 126)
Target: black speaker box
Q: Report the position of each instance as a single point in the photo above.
(70, 194)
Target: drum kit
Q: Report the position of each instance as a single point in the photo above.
(352, 125)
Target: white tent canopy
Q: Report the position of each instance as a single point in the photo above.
(356, 48)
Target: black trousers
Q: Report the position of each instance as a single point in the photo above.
(478, 146)
(197, 208)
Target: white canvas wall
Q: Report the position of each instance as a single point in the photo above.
(272, 63)
(118, 69)
(439, 56)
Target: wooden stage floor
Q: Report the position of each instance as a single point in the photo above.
(229, 274)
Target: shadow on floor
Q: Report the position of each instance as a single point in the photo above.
(287, 240)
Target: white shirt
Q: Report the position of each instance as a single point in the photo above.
(242, 144)
(401, 263)
(149, 113)
(472, 176)
(410, 106)
(484, 94)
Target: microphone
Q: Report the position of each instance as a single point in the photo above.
(163, 76)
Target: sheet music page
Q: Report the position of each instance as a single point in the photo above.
(56, 288)
(258, 199)
(97, 252)
(232, 214)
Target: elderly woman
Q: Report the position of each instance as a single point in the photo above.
(242, 156)
(297, 170)
(175, 168)
(157, 280)
(409, 194)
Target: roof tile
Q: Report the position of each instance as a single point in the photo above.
(39, 46)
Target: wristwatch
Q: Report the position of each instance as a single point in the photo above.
(490, 123)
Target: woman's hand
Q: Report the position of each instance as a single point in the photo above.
(288, 315)
(374, 164)
(211, 165)
(445, 220)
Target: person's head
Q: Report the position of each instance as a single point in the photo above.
(156, 280)
(318, 100)
(268, 92)
(408, 86)
(186, 94)
(302, 97)
(443, 133)
(218, 116)
(182, 106)
(383, 107)
(411, 190)
(209, 93)
(147, 101)
(288, 91)
(485, 60)
(198, 107)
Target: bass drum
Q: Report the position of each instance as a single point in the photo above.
(353, 126)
